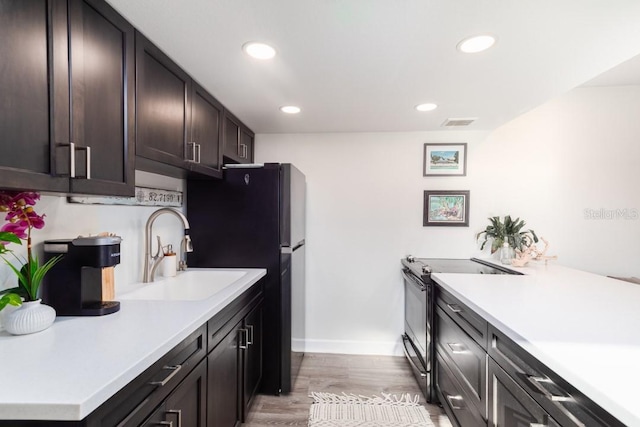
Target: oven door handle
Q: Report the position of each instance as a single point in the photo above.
(411, 362)
(415, 281)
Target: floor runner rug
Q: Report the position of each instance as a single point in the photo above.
(349, 410)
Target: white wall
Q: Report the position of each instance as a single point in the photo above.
(365, 195)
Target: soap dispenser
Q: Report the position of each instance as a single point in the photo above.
(169, 262)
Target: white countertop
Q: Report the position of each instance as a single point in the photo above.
(70, 369)
(583, 326)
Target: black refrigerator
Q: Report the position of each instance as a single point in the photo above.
(255, 217)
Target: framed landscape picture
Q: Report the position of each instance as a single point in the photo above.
(445, 159)
(446, 208)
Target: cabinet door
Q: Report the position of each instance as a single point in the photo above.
(223, 382)
(102, 98)
(204, 146)
(231, 137)
(34, 114)
(252, 359)
(187, 405)
(246, 145)
(163, 92)
(510, 405)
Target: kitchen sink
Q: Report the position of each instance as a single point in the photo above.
(190, 285)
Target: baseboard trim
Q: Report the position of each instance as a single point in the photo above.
(378, 348)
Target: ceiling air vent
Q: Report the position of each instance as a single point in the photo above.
(458, 122)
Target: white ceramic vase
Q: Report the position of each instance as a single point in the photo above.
(30, 317)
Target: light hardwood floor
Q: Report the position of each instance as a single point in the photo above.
(337, 373)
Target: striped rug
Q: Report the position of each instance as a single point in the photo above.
(349, 410)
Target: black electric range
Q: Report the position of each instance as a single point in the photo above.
(419, 306)
(423, 267)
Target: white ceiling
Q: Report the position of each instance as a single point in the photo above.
(362, 65)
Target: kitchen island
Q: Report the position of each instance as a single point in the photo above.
(79, 363)
(582, 326)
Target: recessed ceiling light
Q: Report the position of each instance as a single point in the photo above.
(259, 50)
(290, 109)
(426, 107)
(476, 44)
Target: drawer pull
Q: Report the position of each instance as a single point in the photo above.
(457, 348)
(538, 425)
(538, 381)
(456, 398)
(455, 308)
(174, 370)
(178, 414)
(164, 423)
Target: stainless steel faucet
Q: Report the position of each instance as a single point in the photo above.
(151, 262)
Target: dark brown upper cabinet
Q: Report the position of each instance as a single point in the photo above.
(206, 132)
(102, 101)
(67, 106)
(238, 140)
(179, 124)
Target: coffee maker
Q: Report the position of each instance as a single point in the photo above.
(82, 282)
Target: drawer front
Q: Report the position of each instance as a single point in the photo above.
(511, 406)
(466, 359)
(474, 325)
(454, 399)
(565, 403)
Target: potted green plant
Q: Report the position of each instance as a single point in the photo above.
(21, 219)
(510, 231)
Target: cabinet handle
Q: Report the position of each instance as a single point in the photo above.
(456, 398)
(164, 423)
(87, 157)
(197, 161)
(178, 414)
(243, 151)
(455, 308)
(457, 348)
(538, 425)
(174, 370)
(72, 158)
(246, 338)
(193, 151)
(250, 337)
(537, 383)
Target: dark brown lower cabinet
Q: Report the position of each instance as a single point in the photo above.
(187, 404)
(252, 359)
(235, 369)
(223, 381)
(510, 405)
